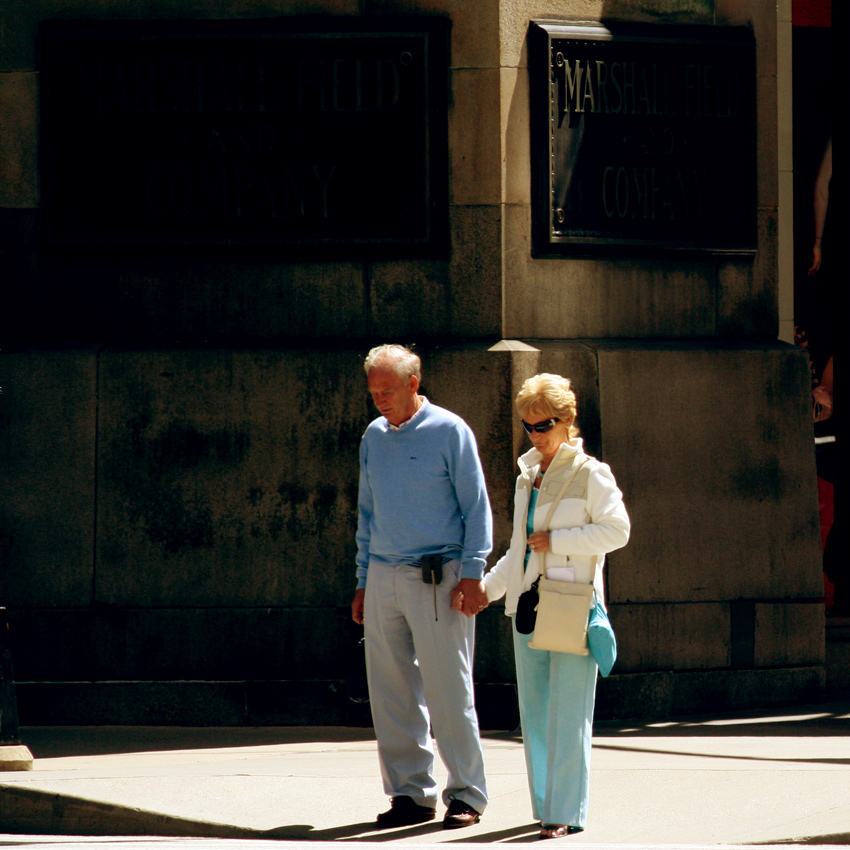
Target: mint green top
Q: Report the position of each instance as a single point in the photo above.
(529, 523)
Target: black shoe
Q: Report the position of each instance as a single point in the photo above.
(460, 814)
(404, 812)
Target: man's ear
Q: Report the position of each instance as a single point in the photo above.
(413, 383)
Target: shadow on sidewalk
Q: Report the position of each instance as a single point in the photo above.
(366, 832)
(66, 741)
(819, 720)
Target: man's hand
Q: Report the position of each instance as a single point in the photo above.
(357, 606)
(469, 597)
(816, 259)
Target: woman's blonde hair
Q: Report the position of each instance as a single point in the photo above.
(549, 395)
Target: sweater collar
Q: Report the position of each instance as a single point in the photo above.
(419, 411)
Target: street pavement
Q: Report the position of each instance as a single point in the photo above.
(750, 778)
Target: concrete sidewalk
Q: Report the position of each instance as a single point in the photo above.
(759, 777)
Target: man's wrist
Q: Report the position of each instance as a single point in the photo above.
(473, 570)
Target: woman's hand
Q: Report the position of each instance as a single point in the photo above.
(539, 541)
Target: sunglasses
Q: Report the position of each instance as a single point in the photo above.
(540, 427)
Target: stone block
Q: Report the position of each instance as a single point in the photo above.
(233, 298)
(209, 572)
(475, 137)
(23, 313)
(838, 652)
(784, 97)
(47, 452)
(259, 703)
(668, 694)
(157, 298)
(476, 272)
(296, 703)
(713, 450)
(788, 634)
(53, 644)
(132, 703)
(747, 303)
(675, 637)
(15, 757)
(408, 296)
(228, 478)
(638, 695)
(516, 159)
(19, 178)
(459, 297)
(184, 643)
(767, 164)
(575, 298)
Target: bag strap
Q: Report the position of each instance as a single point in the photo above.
(564, 488)
(549, 519)
(561, 492)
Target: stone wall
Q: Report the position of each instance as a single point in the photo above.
(179, 431)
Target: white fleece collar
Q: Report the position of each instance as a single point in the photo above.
(533, 457)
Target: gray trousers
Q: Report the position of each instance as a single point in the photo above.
(420, 677)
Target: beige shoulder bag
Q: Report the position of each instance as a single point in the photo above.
(564, 606)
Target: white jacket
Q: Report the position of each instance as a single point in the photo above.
(589, 521)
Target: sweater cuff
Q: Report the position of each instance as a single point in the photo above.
(473, 569)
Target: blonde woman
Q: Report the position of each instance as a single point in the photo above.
(556, 689)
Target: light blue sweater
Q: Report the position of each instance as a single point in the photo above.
(422, 492)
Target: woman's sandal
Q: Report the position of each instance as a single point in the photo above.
(557, 830)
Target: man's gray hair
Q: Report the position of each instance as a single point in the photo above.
(400, 358)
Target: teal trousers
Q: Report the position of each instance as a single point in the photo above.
(556, 696)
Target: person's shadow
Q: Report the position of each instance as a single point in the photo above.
(355, 831)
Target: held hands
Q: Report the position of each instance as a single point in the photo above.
(469, 597)
(539, 541)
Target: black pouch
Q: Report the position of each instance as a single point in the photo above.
(432, 569)
(526, 610)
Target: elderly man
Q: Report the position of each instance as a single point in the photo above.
(423, 514)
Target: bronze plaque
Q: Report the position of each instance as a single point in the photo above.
(643, 137)
(322, 134)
